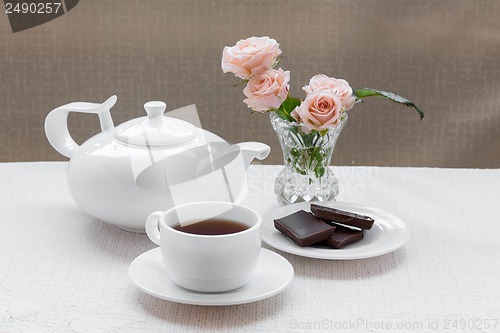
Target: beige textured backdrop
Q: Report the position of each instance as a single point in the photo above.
(443, 55)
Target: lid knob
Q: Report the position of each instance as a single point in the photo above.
(155, 109)
(155, 130)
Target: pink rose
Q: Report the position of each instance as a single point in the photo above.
(339, 87)
(250, 56)
(267, 90)
(320, 110)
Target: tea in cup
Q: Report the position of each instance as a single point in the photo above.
(208, 246)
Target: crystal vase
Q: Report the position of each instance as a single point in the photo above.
(307, 175)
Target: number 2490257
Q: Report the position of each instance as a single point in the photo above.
(33, 8)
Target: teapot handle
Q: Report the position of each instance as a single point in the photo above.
(56, 123)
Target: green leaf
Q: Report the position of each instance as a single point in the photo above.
(319, 171)
(294, 152)
(367, 92)
(286, 108)
(300, 171)
(283, 115)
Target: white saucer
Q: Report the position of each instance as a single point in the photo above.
(273, 274)
(387, 234)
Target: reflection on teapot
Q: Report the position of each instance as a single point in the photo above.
(218, 174)
(150, 163)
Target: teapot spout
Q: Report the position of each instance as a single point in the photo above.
(251, 150)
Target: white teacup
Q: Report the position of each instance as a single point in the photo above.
(207, 263)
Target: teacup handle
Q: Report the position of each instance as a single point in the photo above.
(153, 227)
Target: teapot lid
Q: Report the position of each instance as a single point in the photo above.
(155, 130)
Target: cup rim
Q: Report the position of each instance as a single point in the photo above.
(250, 229)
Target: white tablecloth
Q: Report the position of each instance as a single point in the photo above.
(63, 271)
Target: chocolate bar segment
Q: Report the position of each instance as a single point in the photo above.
(344, 236)
(341, 216)
(304, 228)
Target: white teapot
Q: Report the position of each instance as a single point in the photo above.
(147, 164)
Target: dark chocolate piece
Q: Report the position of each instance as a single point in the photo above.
(341, 216)
(344, 236)
(304, 228)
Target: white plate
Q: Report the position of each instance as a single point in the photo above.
(387, 234)
(272, 275)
